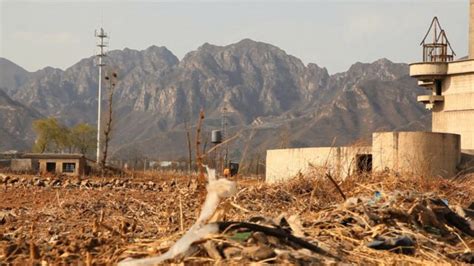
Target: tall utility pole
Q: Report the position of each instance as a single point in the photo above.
(101, 44)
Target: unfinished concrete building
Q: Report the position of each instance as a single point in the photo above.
(442, 152)
(450, 84)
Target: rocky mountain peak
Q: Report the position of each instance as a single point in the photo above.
(382, 69)
(11, 75)
(16, 119)
(257, 81)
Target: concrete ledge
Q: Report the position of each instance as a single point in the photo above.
(426, 84)
(428, 70)
(430, 98)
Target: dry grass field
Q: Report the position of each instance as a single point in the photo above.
(98, 221)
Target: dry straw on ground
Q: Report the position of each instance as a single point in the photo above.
(103, 223)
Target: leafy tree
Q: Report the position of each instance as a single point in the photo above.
(83, 138)
(54, 137)
(42, 128)
(51, 136)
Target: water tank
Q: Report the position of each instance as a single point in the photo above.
(421, 153)
(216, 136)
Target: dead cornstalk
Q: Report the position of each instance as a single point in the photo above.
(33, 251)
(181, 217)
(328, 175)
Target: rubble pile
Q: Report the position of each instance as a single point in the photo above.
(374, 219)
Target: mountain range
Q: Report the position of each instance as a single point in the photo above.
(273, 100)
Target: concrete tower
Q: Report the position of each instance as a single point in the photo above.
(450, 82)
(471, 30)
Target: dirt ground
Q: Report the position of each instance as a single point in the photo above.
(70, 224)
(59, 220)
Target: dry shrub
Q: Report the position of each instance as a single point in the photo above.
(314, 191)
(459, 190)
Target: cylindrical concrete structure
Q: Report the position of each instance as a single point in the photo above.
(421, 153)
(471, 30)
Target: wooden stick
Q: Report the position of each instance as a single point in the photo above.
(181, 223)
(328, 175)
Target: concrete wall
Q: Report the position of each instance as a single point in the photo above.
(284, 164)
(422, 153)
(456, 113)
(5, 163)
(23, 165)
(471, 30)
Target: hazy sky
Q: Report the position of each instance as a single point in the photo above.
(333, 34)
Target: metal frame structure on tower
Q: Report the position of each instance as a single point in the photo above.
(437, 50)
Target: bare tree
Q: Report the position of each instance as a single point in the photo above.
(112, 79)
(243, 158)
(187, 118)
(190, 151)
(199, 157)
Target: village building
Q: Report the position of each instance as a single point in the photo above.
(52, 163)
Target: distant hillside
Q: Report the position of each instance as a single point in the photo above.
(11, 75)
(274, 100)
(16, 120)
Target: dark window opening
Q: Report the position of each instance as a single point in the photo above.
(51, 167)
(438, 87)
(69, 167)
(234, 168)
(364, 163)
